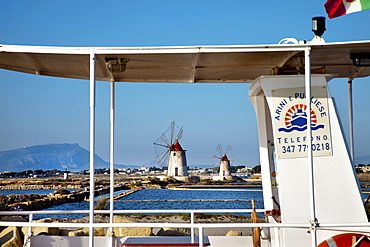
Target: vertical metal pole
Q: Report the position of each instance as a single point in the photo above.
(350, 115)
(112, 119)
(92, 145)
(201, 233)
(311, 183)
(192, 228)
(27, 241)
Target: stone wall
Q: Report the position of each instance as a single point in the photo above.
(39, 187)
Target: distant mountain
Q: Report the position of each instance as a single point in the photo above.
(48, 157)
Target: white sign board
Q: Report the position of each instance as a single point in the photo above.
(290, 122)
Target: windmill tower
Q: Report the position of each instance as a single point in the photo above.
(169, 151)
(224, 163)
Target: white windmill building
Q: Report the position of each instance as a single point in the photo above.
(170, 152)
(224, 173)
(177, 165)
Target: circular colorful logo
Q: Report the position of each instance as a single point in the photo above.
(296, 115)
(296, 119)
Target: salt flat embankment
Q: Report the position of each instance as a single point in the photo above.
(58, 199)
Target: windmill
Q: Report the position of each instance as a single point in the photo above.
(170, 152)
(224, 162)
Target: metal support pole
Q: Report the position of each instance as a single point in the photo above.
(350, 115)
(201, 234)
(311, 183)
(192, 228)
(92, 145)
(27, 241)
(112, 119)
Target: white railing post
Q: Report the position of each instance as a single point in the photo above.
(192, 228)
(201, 233)
(30, 220)
(27, 241)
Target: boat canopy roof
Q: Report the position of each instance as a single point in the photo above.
(185, 64)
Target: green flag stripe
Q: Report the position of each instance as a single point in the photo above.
(365, 4)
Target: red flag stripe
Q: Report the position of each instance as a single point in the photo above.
(335, 8)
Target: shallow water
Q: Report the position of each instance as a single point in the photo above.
(165, 199)
(161, 199)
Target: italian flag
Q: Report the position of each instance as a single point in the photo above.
(336, 8)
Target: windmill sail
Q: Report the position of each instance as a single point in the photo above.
(224, 163)
(170, 153)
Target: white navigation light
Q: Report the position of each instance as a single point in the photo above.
(318, 25)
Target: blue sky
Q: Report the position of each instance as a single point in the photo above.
(39, 110)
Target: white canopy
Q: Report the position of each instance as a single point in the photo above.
(191, 64)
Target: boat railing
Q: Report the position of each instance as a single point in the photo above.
(192, 225)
